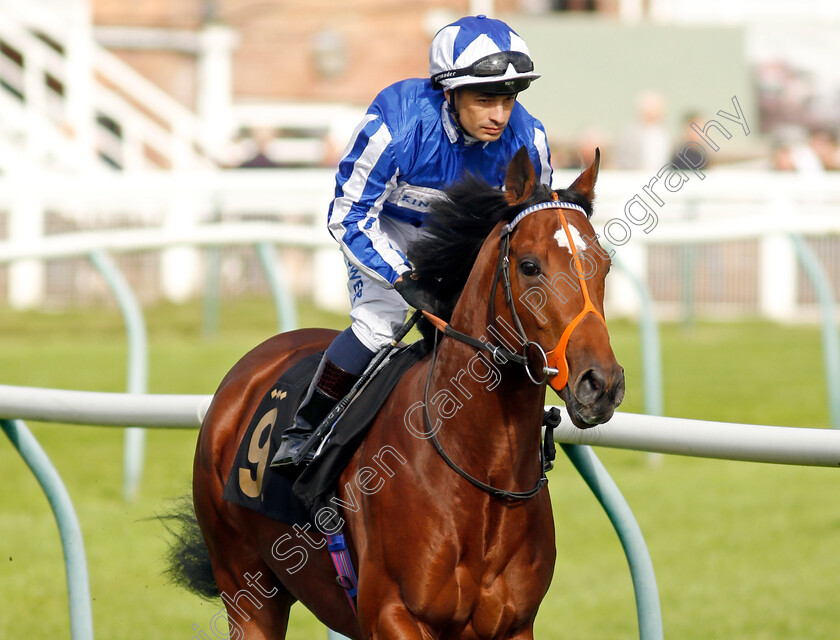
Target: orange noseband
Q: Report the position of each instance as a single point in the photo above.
(557, 356)
(556, 367)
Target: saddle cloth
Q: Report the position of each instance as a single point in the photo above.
(252, 484)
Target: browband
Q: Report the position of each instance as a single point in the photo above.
(509, 227)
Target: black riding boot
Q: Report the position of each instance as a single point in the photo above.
(329, 385)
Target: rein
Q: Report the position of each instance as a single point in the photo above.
(431, 435)
(556, 366)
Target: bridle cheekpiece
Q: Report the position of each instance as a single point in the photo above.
(555, 365)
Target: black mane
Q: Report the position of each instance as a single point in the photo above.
(457, 226)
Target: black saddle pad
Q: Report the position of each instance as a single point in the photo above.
(254, 485)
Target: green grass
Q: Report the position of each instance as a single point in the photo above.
(740, 550)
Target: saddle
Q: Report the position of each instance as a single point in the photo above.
(253, 485)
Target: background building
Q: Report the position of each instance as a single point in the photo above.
(119, 95)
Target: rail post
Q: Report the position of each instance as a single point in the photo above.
(137, 366)
(831, 348)
(78, 586)
(648, 610)
(284, 303)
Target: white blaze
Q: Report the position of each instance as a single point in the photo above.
(563, 241)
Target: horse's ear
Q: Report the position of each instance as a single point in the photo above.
(520, 179)
(585, 183)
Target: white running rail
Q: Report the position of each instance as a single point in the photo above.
(679, 436)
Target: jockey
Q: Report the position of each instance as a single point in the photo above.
(418, 137)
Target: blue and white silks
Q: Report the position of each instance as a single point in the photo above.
(402, 154)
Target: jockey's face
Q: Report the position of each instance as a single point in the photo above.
(483, 115)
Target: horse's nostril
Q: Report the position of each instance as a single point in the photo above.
(591, 386)
(618, 389)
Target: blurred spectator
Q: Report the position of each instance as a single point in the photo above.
(823, 142)
(562, 156)
(646, 144)
(261, 159)
(585, 148)
(790, 95)
(781, 157)
(791, 152)
(691, 150)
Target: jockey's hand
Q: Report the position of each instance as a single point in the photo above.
(408, 287)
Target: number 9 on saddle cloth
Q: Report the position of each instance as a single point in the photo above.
(296, 500)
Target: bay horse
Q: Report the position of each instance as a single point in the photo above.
(439, 553)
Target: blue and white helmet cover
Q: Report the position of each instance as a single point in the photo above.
(461, 43)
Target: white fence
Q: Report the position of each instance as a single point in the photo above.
(800, 446)
(679, 436)
(718, 244)
(66, 102)
(152, 211)
(74, 105)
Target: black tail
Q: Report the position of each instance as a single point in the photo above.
(188, 561)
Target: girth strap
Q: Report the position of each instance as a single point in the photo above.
(346, 577)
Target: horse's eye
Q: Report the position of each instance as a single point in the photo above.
(529, 268)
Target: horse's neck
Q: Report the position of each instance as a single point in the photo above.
(496, 430)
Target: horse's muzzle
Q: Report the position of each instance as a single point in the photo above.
(593, 397)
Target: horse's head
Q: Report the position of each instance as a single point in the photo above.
(557, 270)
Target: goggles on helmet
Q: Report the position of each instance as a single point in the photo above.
(501, 87)
(495, 64)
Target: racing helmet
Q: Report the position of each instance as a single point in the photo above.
(483, 54)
